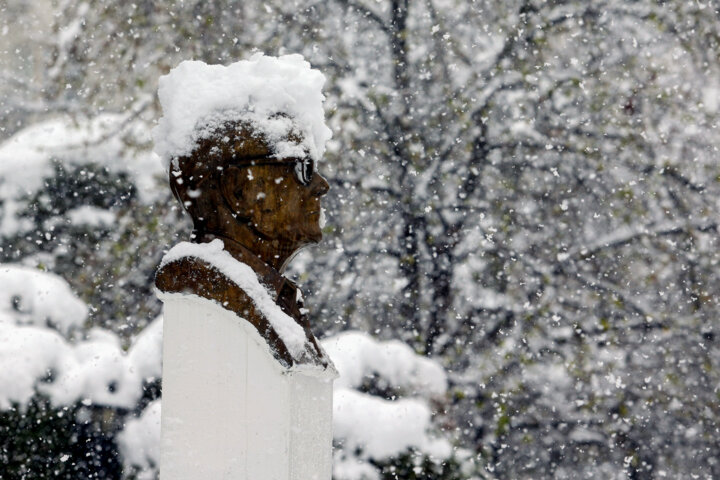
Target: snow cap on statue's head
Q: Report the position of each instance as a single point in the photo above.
(278, 100)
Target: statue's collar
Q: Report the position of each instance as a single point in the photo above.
(285, 290)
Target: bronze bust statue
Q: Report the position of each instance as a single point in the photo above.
(264, 209)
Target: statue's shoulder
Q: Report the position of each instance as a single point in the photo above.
(195, 268)
(191, 275)
(209, 272)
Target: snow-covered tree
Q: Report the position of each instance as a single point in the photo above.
(522, 190)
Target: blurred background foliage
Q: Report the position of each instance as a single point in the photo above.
(524, 190)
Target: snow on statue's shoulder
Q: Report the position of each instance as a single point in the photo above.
(291, 334)
(197, 97)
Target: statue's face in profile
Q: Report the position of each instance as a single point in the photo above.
(278, 202)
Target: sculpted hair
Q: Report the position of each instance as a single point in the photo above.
(194, 179)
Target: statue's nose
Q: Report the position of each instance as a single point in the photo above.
(319, 185)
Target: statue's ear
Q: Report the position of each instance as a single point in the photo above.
(234, 183)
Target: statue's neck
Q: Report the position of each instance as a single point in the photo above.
(272, 252)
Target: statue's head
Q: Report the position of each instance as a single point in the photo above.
(239, 141)
(233, 183)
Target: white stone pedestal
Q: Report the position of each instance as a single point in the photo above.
(230, 409)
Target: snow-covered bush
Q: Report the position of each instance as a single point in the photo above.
(86, 199)
(383, 410)
(81, 398)
(384, 405)
(139, 444)
(63, 391)
(43, 353)
(29, 158)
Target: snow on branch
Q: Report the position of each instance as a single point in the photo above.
(627, 235)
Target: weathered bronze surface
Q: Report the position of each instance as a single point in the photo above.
(263, 214)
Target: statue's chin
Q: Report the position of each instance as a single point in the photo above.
(297, 239)
(310, 238)
(316, 234)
